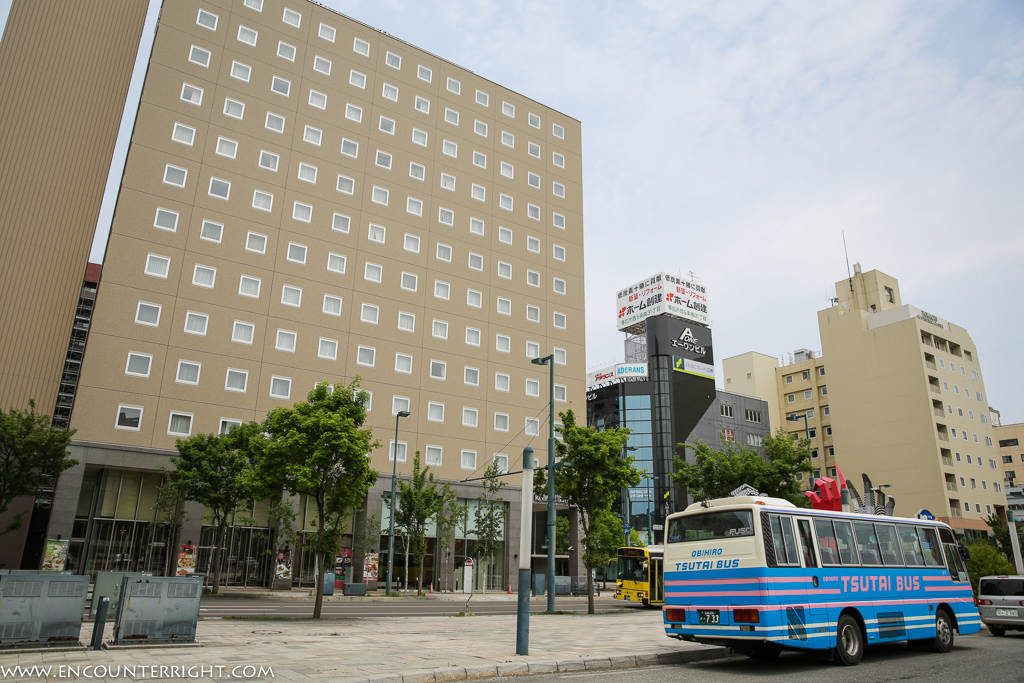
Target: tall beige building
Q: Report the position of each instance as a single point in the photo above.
(1010, 444)
(898, 394)
(309, 199)
(908, 405)
(64, 74)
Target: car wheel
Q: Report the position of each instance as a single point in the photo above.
(943, 632)
(996, 631)
(849, 641)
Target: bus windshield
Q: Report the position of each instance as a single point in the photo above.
(711, 525)
(632, 568)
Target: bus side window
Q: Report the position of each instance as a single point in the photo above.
(889, 544)
(806, 542)
(867, 542)
(930, 547)
(782, 539)
(846, 542)
(826, 542)
(910, 545)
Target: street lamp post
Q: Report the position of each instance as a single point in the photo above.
(525, 538)
(796, 418)
(549, 360)
(391, 525)
(627, 503)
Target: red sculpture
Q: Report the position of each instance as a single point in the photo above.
(828, 494)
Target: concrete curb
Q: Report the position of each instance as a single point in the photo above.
(510, 669)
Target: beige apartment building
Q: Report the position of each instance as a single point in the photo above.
(1009, 439)
(897, 393)
(309, 199)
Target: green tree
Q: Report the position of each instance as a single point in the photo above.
(986, 560)
(490, 517)
(212, 470)
(419, 500)
(562, 532)
(32, 456)
(590, 476)
(1001, 530)
(608, 535)
(714, 474)
(319, 449)
(170, 514)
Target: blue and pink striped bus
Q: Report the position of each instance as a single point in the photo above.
(761, 575)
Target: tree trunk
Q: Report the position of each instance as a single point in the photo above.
(405, 579)
(419, 576)
(218, 544)
(318, 584)
(590, 591)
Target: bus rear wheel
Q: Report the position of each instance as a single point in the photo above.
(849, 641)
(943, 632)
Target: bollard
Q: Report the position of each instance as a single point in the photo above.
(101, 621)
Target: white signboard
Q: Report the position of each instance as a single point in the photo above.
(467, 576)
(661, 294)
(629, 371)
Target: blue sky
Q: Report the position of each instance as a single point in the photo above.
(740, 140)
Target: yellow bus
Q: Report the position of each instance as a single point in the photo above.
(641, 578)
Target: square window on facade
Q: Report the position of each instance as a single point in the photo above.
(557, 131)
(419, 137)
(422, 104)
(439, 329)
(256, 242)
(175, 175)
(369, 314)
(318, 99)
(476, 226)
(471, 376)
(449, 148)
(417, 171)
(414, 206)
(281, 86)
(406, 321)
(302, 212)
(291, 296)
(377, 233)
(442, 290)
(559, 320)
(472, 336)
(280, 387)
(503, 343)
(508, 109)
(307, 172)
(505, 202)
(234, 108)
(198, 55)
(366, 355)
(533, 244)
(383, 159)
(476, 261)
(326, 32)
(204, 276)
(192, 94)
(505, 270)
(454, 86)
(373, 273)
(403, 363)
(349, 148)
(479, 159)
(380, 195)
(474, 298)
(285, 340)
(478, 192)
(296, 252)
(444, 253)
(387, 125)
(561, 393)
(221, 189)
(183, 134)
(412, 243)
(433, 456)
(328, 348)
(275, 122)
(451, 116)
(207, 20)
(393, 60)
(157, 266)
(533, 180)
(179, 424)
(482, 98)
(269, 160)
(501, 381)
(166, 220)
(292, 18)
(236, 380)
(507, 169)
(533, 211)
(249, 286)
(501, 422)
(558, 220)
(332, 304)
(558, 189)
(508, 139)
(435, 412)
(242, 332)
(559, 286)
(409, 282)
(438, 369)
(286, 51)
(558, 160)
(322, 65)
(361, 46)
(532, 387)
(468, 459)
(445, 216)
(558, 252)
(447, 182)
(138, 364)
(504, 306)
(196, 323)
(357, 79)
(424, 74)
(532, 350)
(353, 113)
(533, 149)
(533, 314)
(533, 278)
(312, 135)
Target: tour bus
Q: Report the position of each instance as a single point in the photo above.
(640, 575)
(760, 575)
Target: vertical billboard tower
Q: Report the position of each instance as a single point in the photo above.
(672, 313)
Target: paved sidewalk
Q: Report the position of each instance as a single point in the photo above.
(392, 649)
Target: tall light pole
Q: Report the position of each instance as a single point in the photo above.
(549, 360)
(796, 418)
(627, 503)
(391, 525)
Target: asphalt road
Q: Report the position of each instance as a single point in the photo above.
(406, 607)
(980, 658)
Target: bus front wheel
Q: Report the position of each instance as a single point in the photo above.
(849, 641)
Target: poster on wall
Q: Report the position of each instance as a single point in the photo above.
(186, 560)
(56, 555)
(370, 563)
(284, 565)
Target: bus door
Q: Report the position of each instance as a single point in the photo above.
(808, 621)
(785, 584)
(657, 580)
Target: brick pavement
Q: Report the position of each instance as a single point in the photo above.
(393, 649)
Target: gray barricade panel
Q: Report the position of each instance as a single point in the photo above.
(158, 609)
(38, 609)
(109, 584)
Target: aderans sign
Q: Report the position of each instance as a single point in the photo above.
(629, 372)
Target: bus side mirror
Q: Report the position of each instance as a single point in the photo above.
(965, 554)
